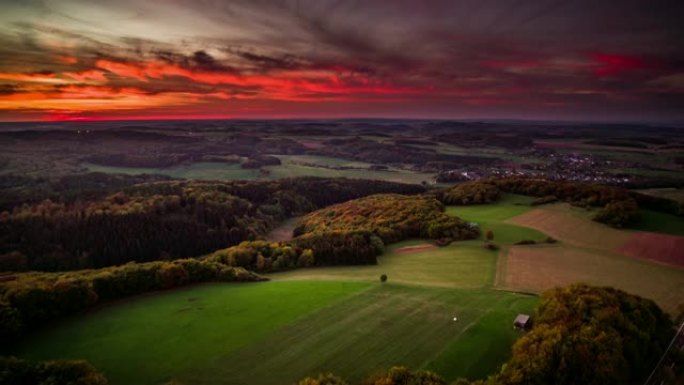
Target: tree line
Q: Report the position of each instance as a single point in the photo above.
(264, 256)
(164, 220)
(30, 300)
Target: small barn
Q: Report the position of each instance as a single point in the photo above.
(521, 322)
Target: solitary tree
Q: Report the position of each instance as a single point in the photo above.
(383, 278)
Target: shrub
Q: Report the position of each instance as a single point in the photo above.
(16, 371)
(306, 258)
(322, 379)
(383, 278)
(402, 376)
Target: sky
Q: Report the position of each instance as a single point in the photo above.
(472, 59)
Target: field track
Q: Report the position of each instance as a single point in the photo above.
(414, 249)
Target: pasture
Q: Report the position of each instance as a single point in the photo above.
(660, 223)
(278, 332)
(460, 265)
(493, 217)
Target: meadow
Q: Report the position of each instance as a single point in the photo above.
(659, 222)
(493, 217)
(215, 333)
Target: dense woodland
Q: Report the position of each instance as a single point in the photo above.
(589, 335)
(32, 300)
(164, 220)
(363, 225)
(16, 190)
(470, 193)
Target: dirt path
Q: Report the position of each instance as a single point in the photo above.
(414, 249)
(283, 232)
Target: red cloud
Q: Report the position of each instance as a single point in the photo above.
(611, 65)
(87, 75)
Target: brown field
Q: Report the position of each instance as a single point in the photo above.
(662, 248)
(572, 226)
(414, 249)
(540, 267)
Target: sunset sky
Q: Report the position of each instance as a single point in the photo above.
(128, 59)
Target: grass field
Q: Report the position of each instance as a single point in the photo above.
(493, 217)
(290, 168)
(659, 223)
(278, 332)
(146, 340)
(459, 265)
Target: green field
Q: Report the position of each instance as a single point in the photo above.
(659, 222)
(148, 339)
(278, 332)
(459, 265)
(492, 217)
(293, 166)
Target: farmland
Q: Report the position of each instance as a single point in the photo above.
(292, 166)
(596, 254)
(493, 217)
(343, 320)
(459, 265)
(541, 267)
(288, 328)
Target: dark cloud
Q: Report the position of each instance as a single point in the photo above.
(583, 55)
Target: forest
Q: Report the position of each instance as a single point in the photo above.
(163, 220)
(369, 223)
